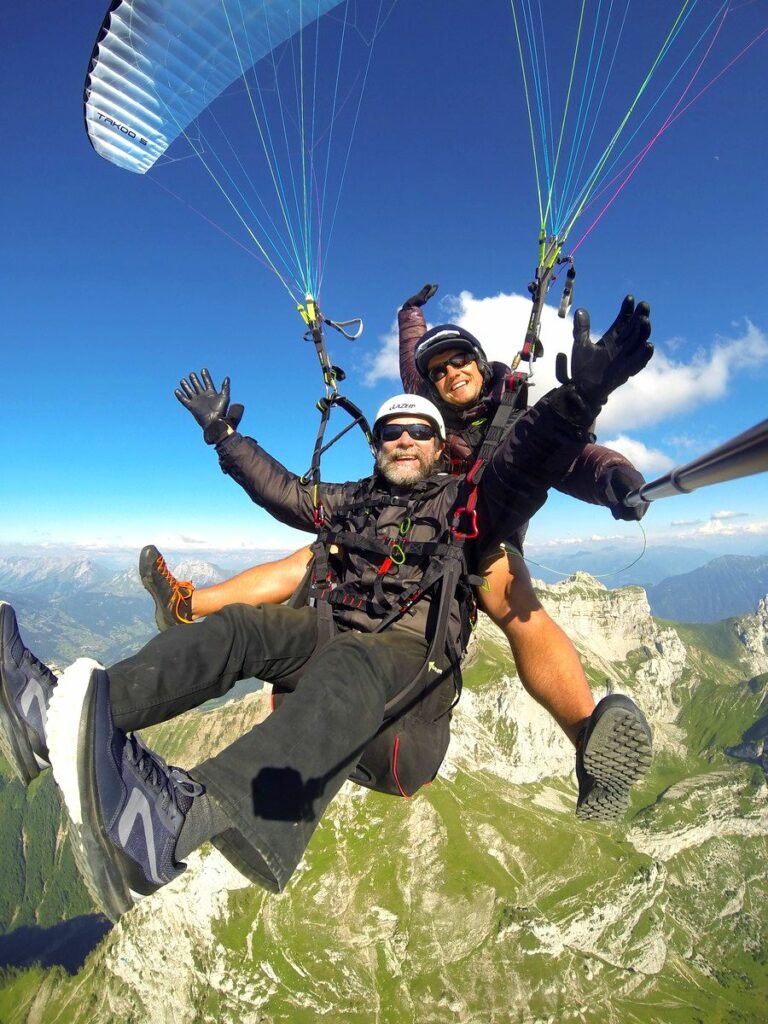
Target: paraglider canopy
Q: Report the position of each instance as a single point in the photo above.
(158, 63)
(264, 95)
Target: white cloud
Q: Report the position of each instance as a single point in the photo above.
(684, 441)
(729, 515)
(665, 387)
(500, 322)
(558, 543)
(385, 365)
(718, 527)
(649, 461)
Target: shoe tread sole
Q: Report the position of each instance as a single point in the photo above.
(617, 754)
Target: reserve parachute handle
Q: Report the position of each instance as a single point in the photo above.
(743, 455)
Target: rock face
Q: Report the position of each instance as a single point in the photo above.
(484, 900)
(613, 631)
(752, 631)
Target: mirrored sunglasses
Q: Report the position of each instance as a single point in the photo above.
(417, 431)
(439, 370)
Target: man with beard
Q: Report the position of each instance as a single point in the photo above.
(347, 660)
(448, 366)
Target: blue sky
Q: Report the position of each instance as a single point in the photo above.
(113, 289)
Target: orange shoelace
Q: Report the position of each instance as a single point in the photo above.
(181, 590)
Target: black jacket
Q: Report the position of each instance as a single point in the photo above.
(536, 454)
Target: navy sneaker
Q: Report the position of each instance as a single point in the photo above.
(612, 754)
(172, 597)
(26, 685)
(126, 804)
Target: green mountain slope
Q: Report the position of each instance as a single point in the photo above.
(39, 883)
(482, 900)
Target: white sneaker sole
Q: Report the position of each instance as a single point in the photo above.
(67, 720)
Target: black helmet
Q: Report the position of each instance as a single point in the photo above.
(443, 338)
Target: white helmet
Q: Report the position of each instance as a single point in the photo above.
(411, 405)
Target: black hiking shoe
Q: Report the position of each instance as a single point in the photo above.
(126, 804)
(172, 597)
(613, 752)
(26, 685)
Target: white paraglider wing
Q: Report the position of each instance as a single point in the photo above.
(158, 63)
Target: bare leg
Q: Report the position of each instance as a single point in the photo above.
(268, 583)
(546, 660)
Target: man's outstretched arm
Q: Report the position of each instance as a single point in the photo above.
(600, 475)
(265, 480)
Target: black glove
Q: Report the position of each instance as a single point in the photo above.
(210, 407)
(422, 297)
(234, 415)
(624, 349)
(615, 484)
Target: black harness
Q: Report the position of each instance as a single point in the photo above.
(513, 401)
(409, 748)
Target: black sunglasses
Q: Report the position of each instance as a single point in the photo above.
(458, 360)
(394, 431)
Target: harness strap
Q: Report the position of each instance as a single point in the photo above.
(442, 658)
(445, 569)
(512, 403)
(325, 406)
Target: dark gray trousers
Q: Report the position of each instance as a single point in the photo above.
(274, 782)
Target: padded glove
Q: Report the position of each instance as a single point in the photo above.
(600, 368)
(210, 407)
(615, 484)
(421, 298)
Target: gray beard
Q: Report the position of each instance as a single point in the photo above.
(399, 474)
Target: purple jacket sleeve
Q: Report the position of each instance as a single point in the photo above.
(584, 479)
(273, 487)
(411, 325)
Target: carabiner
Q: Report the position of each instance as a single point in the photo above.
(397, 555)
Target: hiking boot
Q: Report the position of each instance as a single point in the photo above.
(172, 597)
(26, 685)
(126, 804)
(613, 752)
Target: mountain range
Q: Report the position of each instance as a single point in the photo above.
(481, 900)
(679, 587)
(726, 586)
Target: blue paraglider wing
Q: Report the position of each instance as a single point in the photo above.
(158, 63)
